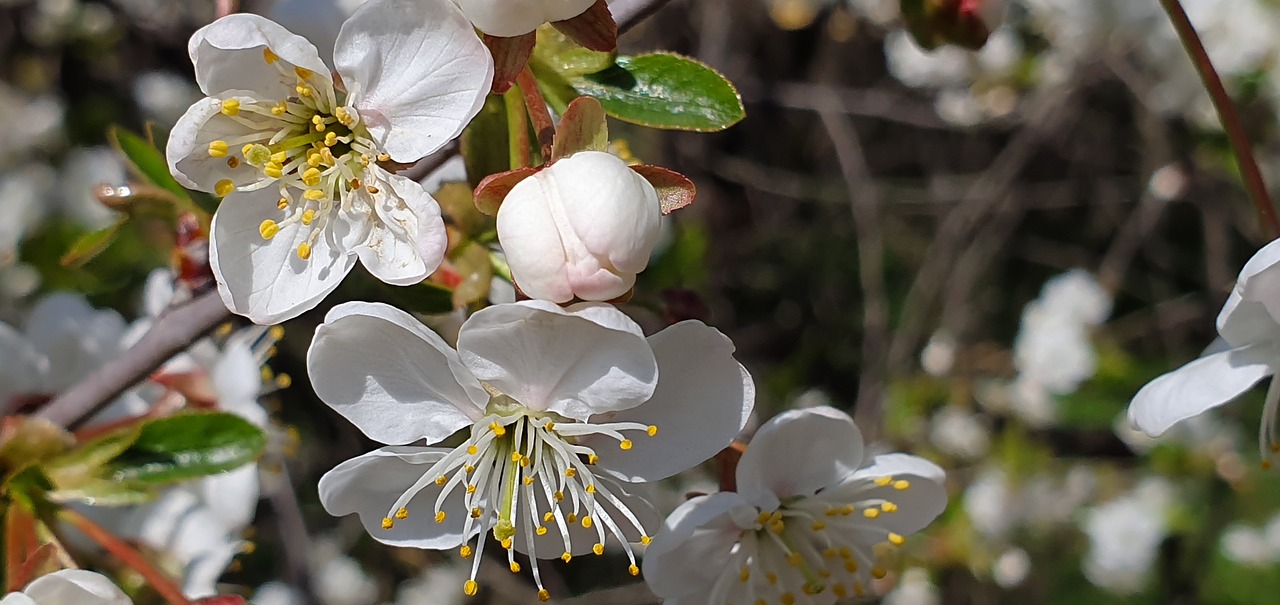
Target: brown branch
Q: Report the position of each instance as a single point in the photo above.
(538, 112)
(178, 327)
(226, 7)
(1253, 182)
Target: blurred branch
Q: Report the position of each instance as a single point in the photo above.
(178, 327)
(864, 201)
(1253, 182)
(226, 7)
(861, 102)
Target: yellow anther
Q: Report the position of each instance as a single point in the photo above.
(515, 456)
(506, 543)
(387, 523)
(830, 552)
(812, 588)
(845, 552)
(896, 539)
(633, 570)
(566, 557)
(465, 551)
(469, 469)
(541, 531)
(771, 577)
(224, 187)
(280, 157)
(625, 444)
(592, 459)
(402, 514)
(825, 573)
(269, 57)
(794, 558)
(777, 527)
(818, 526)
(498, 429)
(382, 157)
(559, 496)
(314, 195)
(528, 480)
(304, 251)
(273, 170)
(472, 450)
(858, 590)
(476, 512)
(652, 430)
(440, 517)
(515, 567)
(548, 516)
(308, 216)
(543, 595)
(787, 599)
(901, 484)
(883, 481)
(847, 510)
(598, 549)
(591, 489)
(744, 574)
(441, 480)
(840, 590)
(586, 521)
(318, 123)
(218, 149)
(761, 602)
(551, 426)
(879, 573)
(888, 507)
(283, 381)
(1275, 448)
(470, 588)
(268, 229)
(330, 139)
(851, 566)
(571, 518)
(311, 177)
(303, 72)
(231, 107)
(570, 472)
(303, 90)
(471, 489)
(645, 540)
(762, 518)
(871, 513)
(279, 109)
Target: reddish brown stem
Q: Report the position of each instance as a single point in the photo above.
(1227, 113)
(19, 544)
(538, 112)
(163, 584)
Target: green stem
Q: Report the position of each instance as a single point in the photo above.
(1230, 118)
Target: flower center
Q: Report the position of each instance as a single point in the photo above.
(808, 545)
(525, 475)
(311, 145)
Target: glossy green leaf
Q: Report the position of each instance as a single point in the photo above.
(664, 90)
(484, 142)
(145, 161)
(92, 244)
(188, 446)
(85, 462)
(556, 51)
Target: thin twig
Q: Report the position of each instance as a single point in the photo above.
(177, 328)
(226, 7)
(1253, 182)
(164, 585)
(538, 112)
(293, 532)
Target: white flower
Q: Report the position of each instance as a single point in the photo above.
(164, 95)
(86, 169)
(1246, 351)
(584, 227)
(803, 526)
(1011, 568)
(182, 525)
(1124, 535)
(991, 503)
(1246, 545)
(959, 433)
(509, 18)
(22, 207)
(559, 408)
(295, 158)
(915, 588)
(64, 339)
(69, 587)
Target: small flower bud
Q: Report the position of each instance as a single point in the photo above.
(509, 18)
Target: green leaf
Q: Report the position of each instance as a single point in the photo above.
(85, 462)
(188, 446)
(97, 491)
(557, 51)
(664, 90)
(146, 161)
(484, 142)
(92, 244)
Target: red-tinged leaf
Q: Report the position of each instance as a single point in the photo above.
(495, 187)
(595, 29)
(582, 128)
(675, 190)
(510, 55)
(220, 600)
(42, 561)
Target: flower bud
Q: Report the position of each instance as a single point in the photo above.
(966, 23)
(509, 18)
(584, 227)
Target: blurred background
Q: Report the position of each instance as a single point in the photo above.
(981, 254)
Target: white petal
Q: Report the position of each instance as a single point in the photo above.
(547, 358)
(265, 280)
(529, 233)
(391, 376)
(158, 293)
(76, 338)
(508, 18)
(797, 453)
(692, 548)
(924, 499)
(407, 240)
(188, 148)
(236, 379)
(1252, 312)
(369, 485)
(702, 401)
(228, 55)
(75, 587)
(23, 370)
(232, 496)
(200, 578)
(422, 73)
(1199, 386)
(17, 598)
(613, 210)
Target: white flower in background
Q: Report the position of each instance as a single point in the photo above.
(960, 433)
(805, 524)
(28, 123)
(990, 502)
(277, 593)
(22, 207)
(915, 588)
(296, 159)
(1124, 537)
(914, 66)
(164, 96)
(69, 587)
(1247, 546)
(340, 579)
(1011, 568)
(85, 169)
(939, 356)
(508, 18)
(560, 408)
(584, 227)
(183, 526)
(436, 585)
(1246, 351)
(63, 340)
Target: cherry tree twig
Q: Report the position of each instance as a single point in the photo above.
(1227, 113)
(179, 326)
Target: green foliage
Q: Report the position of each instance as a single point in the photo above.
(664, 90)
(187, 446)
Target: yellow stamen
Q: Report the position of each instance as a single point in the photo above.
(268, 229)
(218, 149)
(586, 521)
(465, 551)
(231, 107)
(566, 557)
(269, 57)
(224, 187)
(598, 549)
(311, 177)
(543, 595)
(871, 513)
(402, 514)
(387, 523)
(440, 517)
(625, 444)
(896, 539)
(470, 588)
(314, 195)
(515, 567)
(304, 251)
(633, 570)
(652, 430)
(901, 484)
(308, 216)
